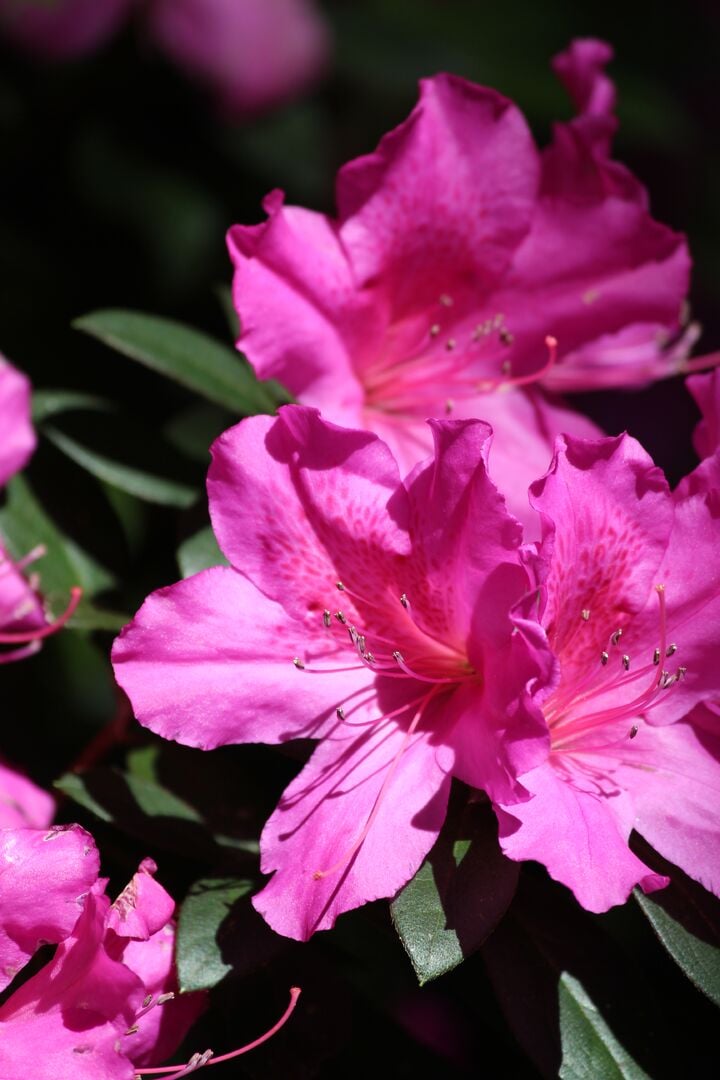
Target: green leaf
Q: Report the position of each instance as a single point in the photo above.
(199, 954)
(457, 897)
(143, 485)
(686, 918)
(184, 354)
(200, 552)
(24, 524)
(590, 1051)
(192, 431)
(181, 800)
(47, 403)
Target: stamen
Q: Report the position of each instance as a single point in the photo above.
(626, 662)
(585, 614)
(405, 602)
(604, 657)
(615, 637)
(25, 636)
(198, 1061)
(633, 731)
(327, 618)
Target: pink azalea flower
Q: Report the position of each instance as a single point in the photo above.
(631, 606)
(22, 803)
(393, 599)
(62, 29)
(456, 250)
(17, 438)
(251, 53)
(94, 1011)
(706, 391)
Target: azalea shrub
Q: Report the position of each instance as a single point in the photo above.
(359, 545)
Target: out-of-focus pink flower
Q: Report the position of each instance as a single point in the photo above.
(631, 605)
(23, 803)
(393, 599)
(23, 621)
(706, 391)
(62, 29)
(17, 438)
(250, 53)
(98, 1008)
(457, 249)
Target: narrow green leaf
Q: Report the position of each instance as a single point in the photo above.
(590, 1051)
(686, 919)
(24, 524)
(457, 897)
(143, 485)
(199, 552)
(47, 403)
(183, 354)
(209, 903)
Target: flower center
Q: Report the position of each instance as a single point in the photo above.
(436, 363)
(614, 690)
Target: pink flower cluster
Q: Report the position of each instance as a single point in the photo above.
(383, 597)
(250, 54)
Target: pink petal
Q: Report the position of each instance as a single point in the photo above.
(45, 876)
(580, 835)
(447, 194)
(674, 775)
(323, 812)
(143, 907)
(17, 438)
(209, 662)
(706, 391)
(335, 488)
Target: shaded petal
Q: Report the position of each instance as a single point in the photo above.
(579, 835)
(209, 662)
(706, 391)
(45, 876)
(143, 907)
(447, 194)
(68, 1021)
(298, 504)
(22, 803)
(323, 812)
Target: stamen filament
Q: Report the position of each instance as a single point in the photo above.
(172, 1073)
(24, 636)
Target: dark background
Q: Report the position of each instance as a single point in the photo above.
(118, 179)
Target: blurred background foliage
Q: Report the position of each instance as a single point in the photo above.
(117, 182)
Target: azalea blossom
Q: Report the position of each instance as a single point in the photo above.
(23, 803)
(24, 622)
(17, 438)
(366, 612)
(706, 391)
(62, 29)
(630, 601)
(105, 1003)
(457, 249)
(250, 53)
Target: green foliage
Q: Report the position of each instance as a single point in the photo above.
(199, 552)
(183, 354)
(590, 1051)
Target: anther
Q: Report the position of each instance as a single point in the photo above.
(404, 601)
(666, 680)
(506, 337)
(449, 406)
(339, 586)
(445, 300)
(450, 344)
(615, 637)
(340, 712)
(633, 731)
(434, 329)
(147, 1000)
(298, 663)
(604, 657)
(671, 649)
(656, 657)
(341, 618)
(626, 662)
(585, 614)
(132, 1030)
(680, 674)
(327, 618)
(170, 996)
(397, 656)
(369, 658)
